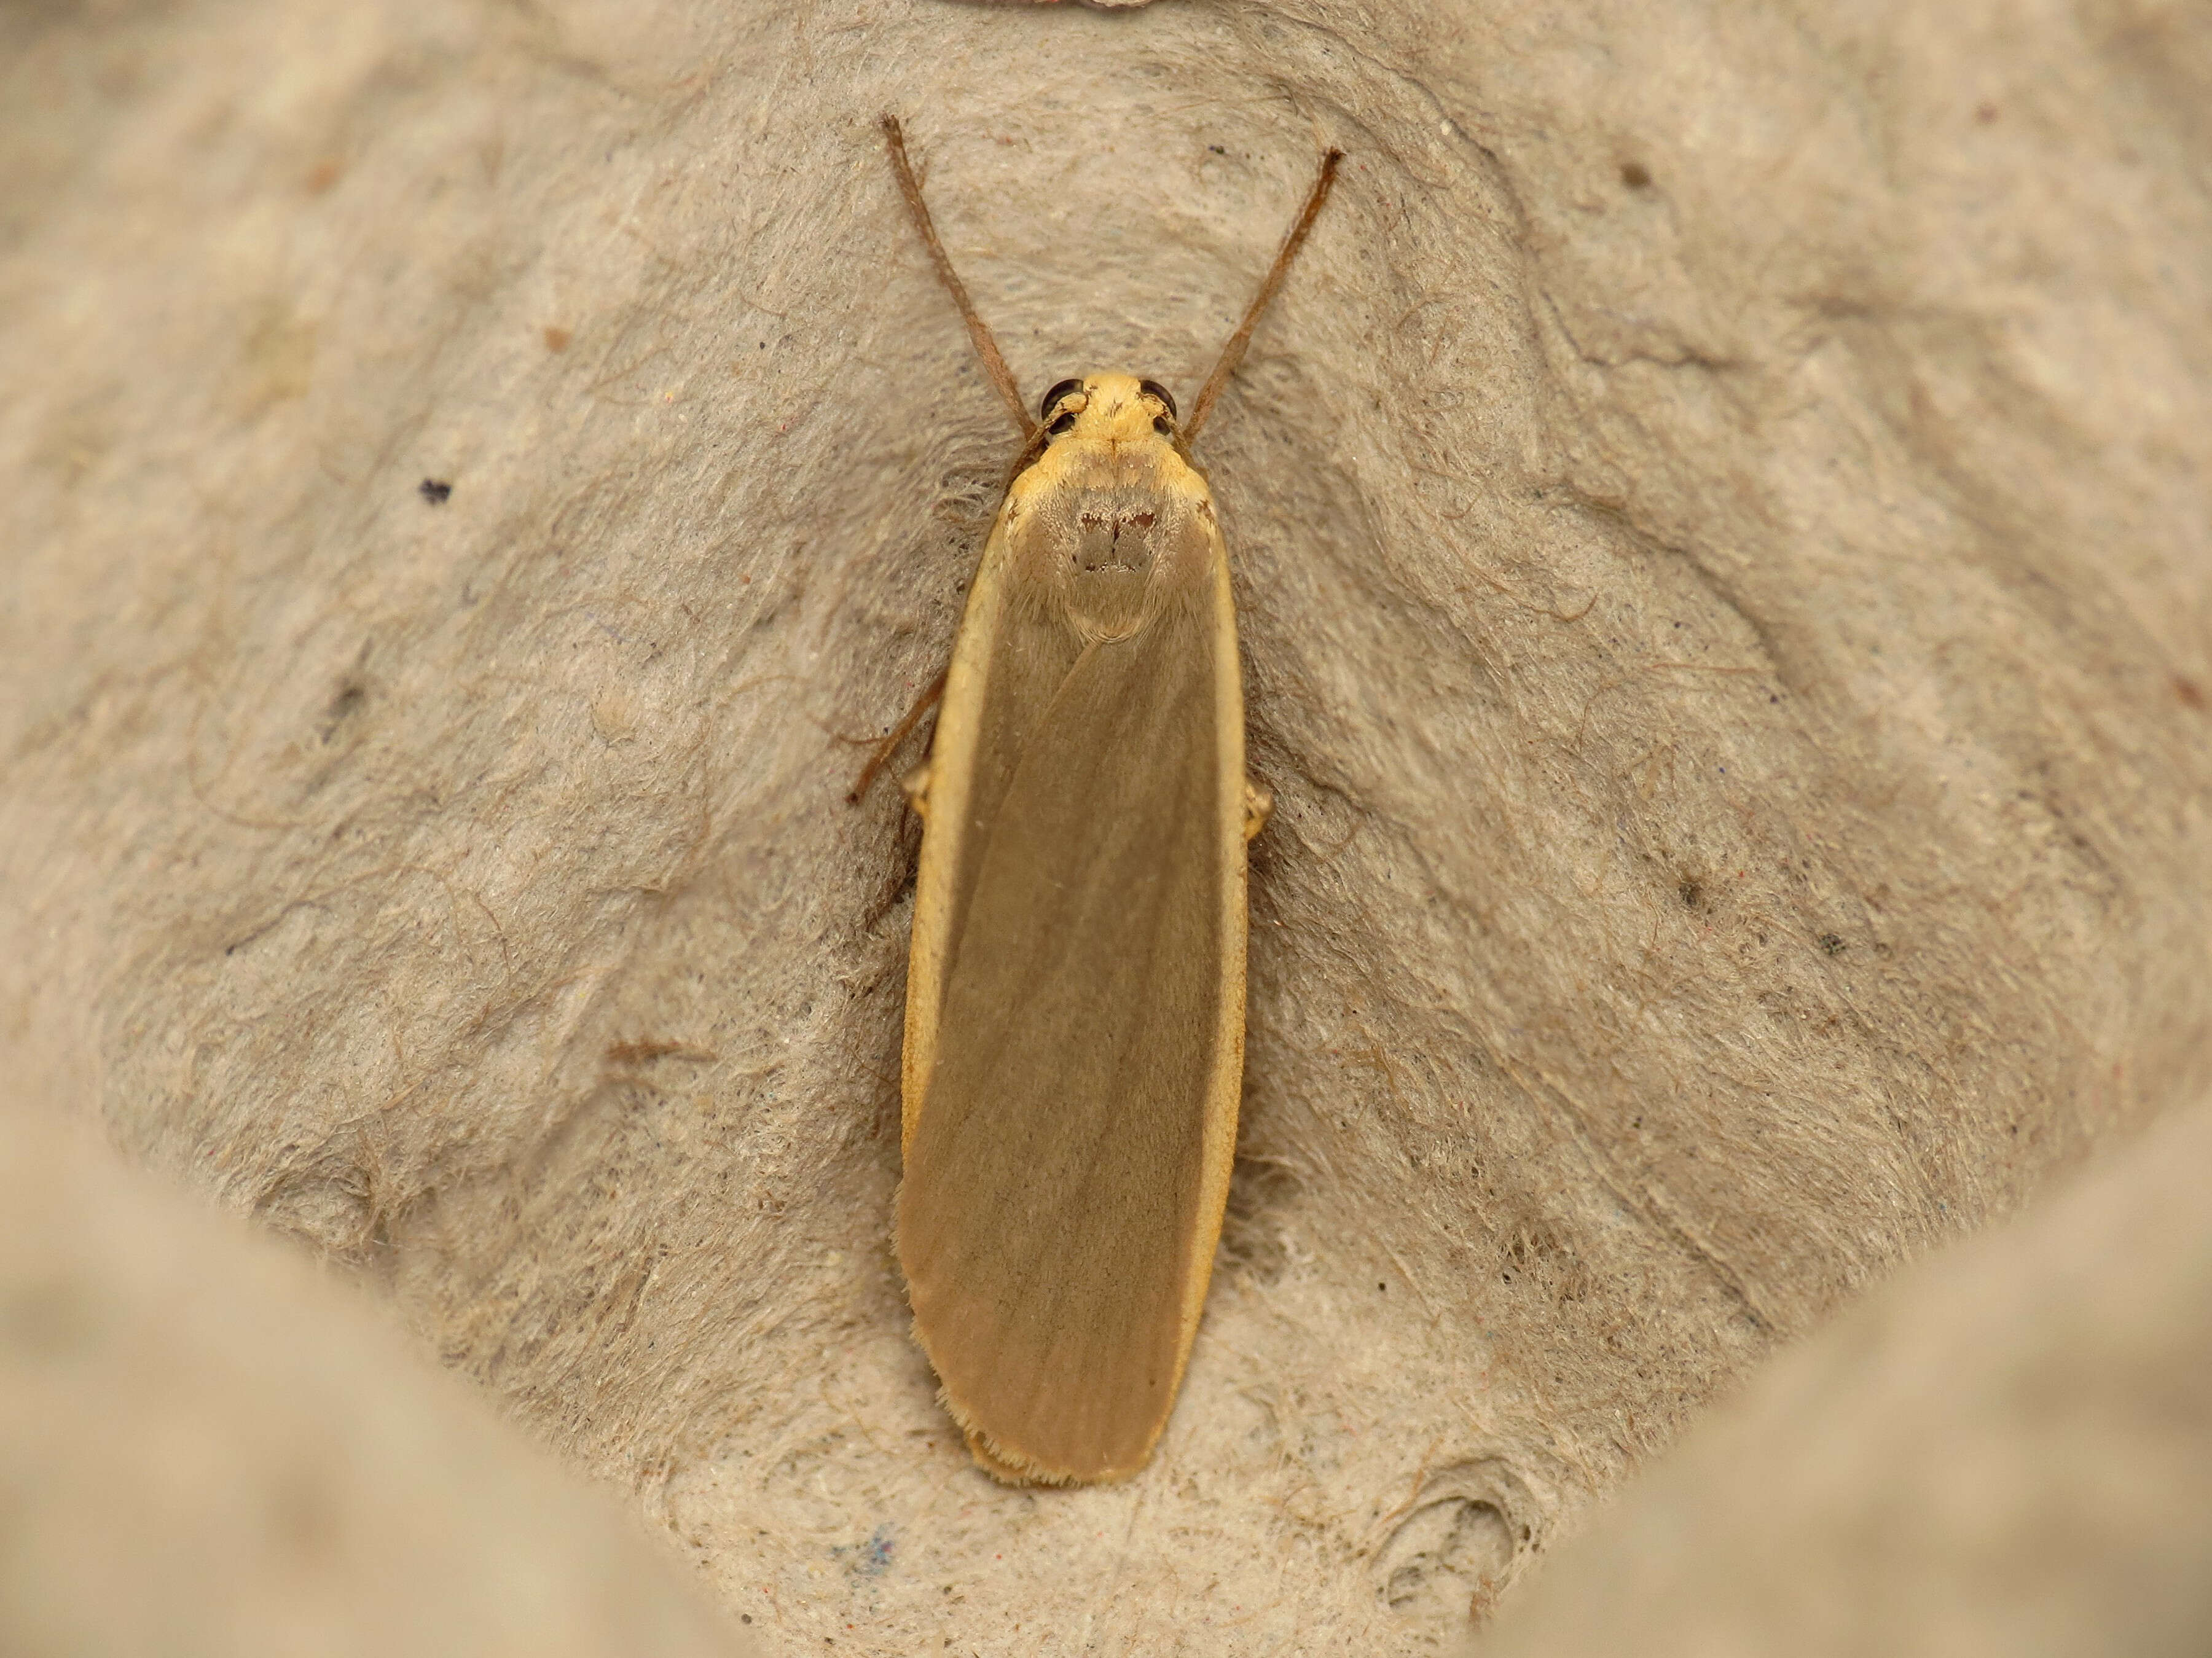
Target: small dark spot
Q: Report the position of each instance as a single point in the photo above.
(744, 1617)
(1832, 943)
(1384, 1288)
(2188, 692)
(351, 694)
(1216, 149)
(1636, 175)
(1690, 891)
(556, 339)
(1985, 113)
(436, 491)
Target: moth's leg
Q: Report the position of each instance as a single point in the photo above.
(1258, 803)
(899, 734)
(916, 786)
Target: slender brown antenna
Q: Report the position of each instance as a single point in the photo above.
(1233, 353)
(986, 347)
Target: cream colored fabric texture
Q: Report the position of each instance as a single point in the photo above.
(1718, 523)
(207, 1446)
(2009, 1452)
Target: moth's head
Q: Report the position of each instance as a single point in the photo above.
(1118, 407)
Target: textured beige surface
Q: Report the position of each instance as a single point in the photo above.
(1720, 528)
(209, 1448)
(2008, 1451)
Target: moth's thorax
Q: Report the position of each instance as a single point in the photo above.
(1110, 519)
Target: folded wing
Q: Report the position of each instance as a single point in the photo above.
(1050, 1220)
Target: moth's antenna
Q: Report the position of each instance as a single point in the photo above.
(1233, 353)
(986, 347)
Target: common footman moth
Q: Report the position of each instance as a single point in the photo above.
(1075, 996)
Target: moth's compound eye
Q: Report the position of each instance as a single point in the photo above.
(1044, 409)
(1164, 424)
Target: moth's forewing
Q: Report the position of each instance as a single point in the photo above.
(1075, 1014)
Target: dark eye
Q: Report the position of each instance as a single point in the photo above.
(1044, 409)
(1154, 389)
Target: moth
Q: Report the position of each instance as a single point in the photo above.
(1075, 997)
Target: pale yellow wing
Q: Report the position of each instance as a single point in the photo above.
(1074, 1035)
